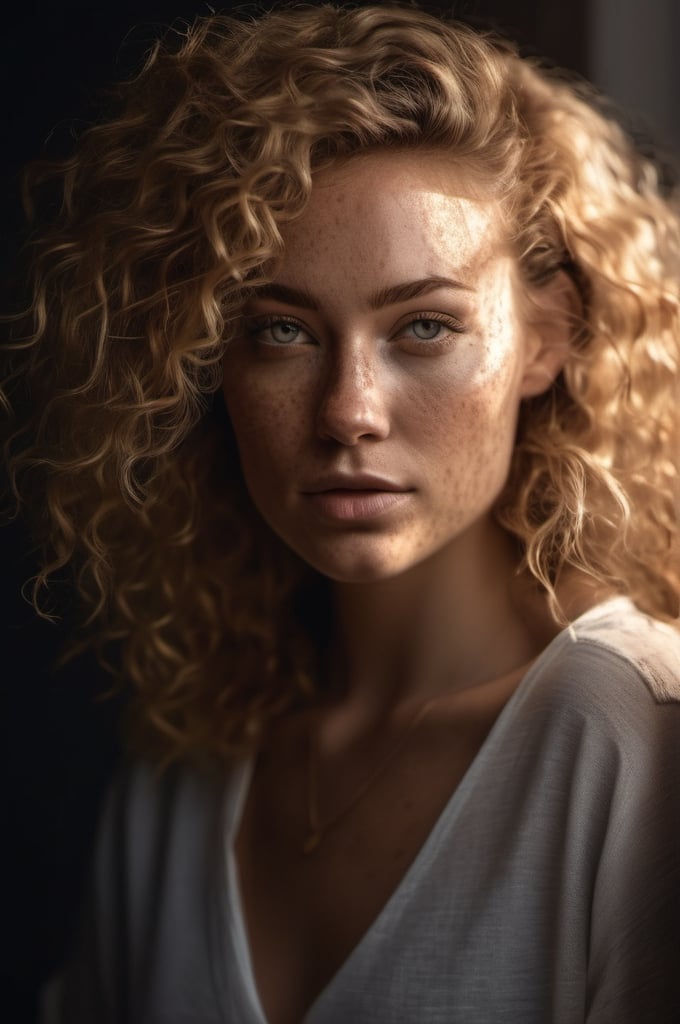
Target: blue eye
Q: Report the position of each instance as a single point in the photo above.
(277, 332)
(283, 332)
(426, 330)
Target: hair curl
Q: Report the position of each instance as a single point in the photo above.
(169, 214)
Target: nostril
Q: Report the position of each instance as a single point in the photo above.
(352, 404)
(348, 417)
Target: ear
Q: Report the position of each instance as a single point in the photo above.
(552, 316)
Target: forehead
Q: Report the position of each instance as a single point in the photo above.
(398, 212)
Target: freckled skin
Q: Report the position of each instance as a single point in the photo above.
(355, 391)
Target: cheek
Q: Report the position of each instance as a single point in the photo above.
(472, 392)
(485, 364)
(472, 429)
(489, 358)
(267, 421)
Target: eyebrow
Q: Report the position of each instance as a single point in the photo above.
(384, 297)
(412, 290)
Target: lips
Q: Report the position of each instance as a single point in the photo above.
(347, 497)
(354, 482)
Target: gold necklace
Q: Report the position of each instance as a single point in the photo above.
(316, 828)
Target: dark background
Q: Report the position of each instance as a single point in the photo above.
(58, 741)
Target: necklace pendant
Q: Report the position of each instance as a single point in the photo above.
(311, 842)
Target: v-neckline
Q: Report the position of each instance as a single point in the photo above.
(452, 808)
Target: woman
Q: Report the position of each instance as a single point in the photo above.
(354, 362)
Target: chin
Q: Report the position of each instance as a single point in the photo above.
(359, 575)
(359, 567)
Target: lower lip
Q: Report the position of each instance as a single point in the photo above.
(348, 505)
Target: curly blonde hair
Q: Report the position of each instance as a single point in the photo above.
(169, 215)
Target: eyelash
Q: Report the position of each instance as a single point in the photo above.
(454, 326)
(257, 327)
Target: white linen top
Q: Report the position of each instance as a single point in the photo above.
(547, 892)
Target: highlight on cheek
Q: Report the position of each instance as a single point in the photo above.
(496, 336)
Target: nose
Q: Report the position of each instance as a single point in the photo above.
(353, 403)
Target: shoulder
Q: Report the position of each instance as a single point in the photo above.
(614, 650)
(623, 635)
(615, 675)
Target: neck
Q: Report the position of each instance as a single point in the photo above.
(456, 620)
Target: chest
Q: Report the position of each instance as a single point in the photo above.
(305, 913)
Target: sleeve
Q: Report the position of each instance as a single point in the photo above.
(92, 985)
(634, 951)
(144, 950)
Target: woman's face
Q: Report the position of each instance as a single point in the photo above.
(374, 386)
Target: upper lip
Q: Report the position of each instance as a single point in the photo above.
(353, 482)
